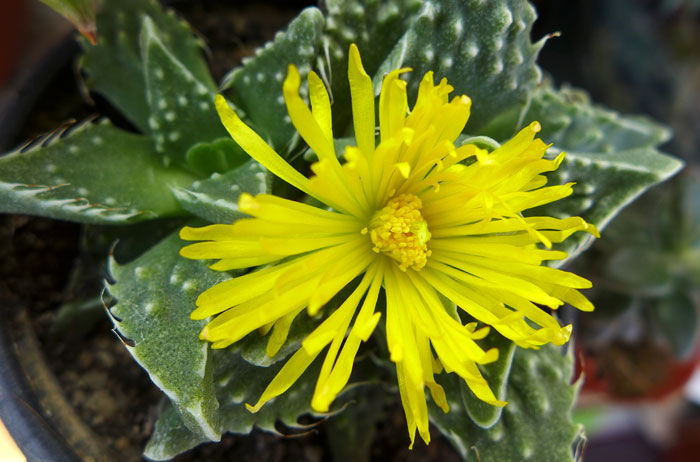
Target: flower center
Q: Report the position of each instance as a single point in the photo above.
(400, 231)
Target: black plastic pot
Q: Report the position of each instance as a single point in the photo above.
(20, 411)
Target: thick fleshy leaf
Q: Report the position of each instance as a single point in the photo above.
(241, 373)
(482, 414)
(217, 156)
(571, 122)
(114, 66)
(237, 382)
(181, 105)
(611, 158)
(256, 87)
(92, 173)
(216, 198)
(375, 27)
(536, 423)
(484, 51)
(155, 295)
(496, 374)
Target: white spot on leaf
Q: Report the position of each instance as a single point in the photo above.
(471, 49)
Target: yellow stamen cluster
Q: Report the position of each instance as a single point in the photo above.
(400, 231)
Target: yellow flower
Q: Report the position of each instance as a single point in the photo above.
(415, 215)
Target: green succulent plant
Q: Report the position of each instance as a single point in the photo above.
(178, 162)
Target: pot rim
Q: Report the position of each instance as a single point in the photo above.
(19, 409)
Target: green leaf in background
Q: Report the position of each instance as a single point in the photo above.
(216, 198)
(79, 12)
(536, 423)
(155, 295)
(237, 382)
(641, 270)
(94, 173)
(676, 318)
(114, 67)
(181, 106)
(689, 229)
(484, 51)
(256, 87)
(611, 158)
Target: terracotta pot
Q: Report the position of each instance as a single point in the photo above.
(626, 374)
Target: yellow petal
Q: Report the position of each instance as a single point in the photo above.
(285, 378)
(327, 390)
(320, 105)
(393, 104)
(280, 331)
(257, 148)
(362, 96)
(303, 120)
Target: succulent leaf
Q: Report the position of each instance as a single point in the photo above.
(216, 198)
(375, 27)
(497, 373)
(155, 295)
(484, 51)
(536, 423)
(181, 106)
(256, 87)
(218, 156)
(90, 173)
(676, 317)
(612, 158)
(114, 66)
(241, 373)
(237, 382)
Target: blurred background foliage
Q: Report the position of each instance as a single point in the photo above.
(641, 343)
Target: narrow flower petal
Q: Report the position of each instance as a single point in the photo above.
(285, 378)
(257, 148)
(393, 104)
(302, 118)
(320, 105)
(362, 96)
